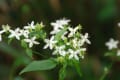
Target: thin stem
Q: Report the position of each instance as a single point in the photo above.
(39, 54)
(106, 72)
(62, 72)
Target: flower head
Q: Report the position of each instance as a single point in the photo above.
(25, 33)
(31, 41)
(30, 26)
(85, 39)
(72, 31)
(73, 54)
(60, 50)
(111, 44)
(15, 33)
(50, 43)
(5, 28)
(58, 25)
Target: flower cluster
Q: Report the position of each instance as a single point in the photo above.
(28, 34)
(66, 41)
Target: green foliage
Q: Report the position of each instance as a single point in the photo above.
(26, 8)
(24, 44)
(110, 53)
(107, 11)
(29, 52)
(77, 67)
(40, 65)
(62, 72)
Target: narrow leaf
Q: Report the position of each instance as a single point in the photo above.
(39, 65)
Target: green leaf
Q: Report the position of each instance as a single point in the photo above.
(29, 52)
(59, 34)
(40, 65)
(23, 44)
(110, 53)
(77, 67)
(39, 34)
(10, 40)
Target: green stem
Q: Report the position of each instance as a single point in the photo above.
(106, 72)
(39, 54)
(62, 72)
(77, 67)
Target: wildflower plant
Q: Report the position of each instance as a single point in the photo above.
(65, 42)
(113, 51)
(112, 47)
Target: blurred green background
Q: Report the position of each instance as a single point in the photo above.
(98, 17)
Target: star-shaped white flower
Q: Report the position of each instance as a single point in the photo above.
(58, 25)
(31, 41)
(73, 54)
(30, 26)
(50, 43)
(5, 28)
(118, 53)
(60, 50)
(25, 33)
(55, 31)
(15, 33)
(85, 39)
(111, 44)
(72, 31)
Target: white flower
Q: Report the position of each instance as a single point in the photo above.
(72, 31)
(25, 33)
(63, 21)
(59, 24)
(85, 39)
(60, 50)
(15, 33)
(30, 26)
(55, 31)
(31, 41)
(5, 28)
(73, 54)
(111, 44)
(118, 53)
(50, 43)
(119, 24)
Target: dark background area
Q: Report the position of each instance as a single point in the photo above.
(98, 17)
